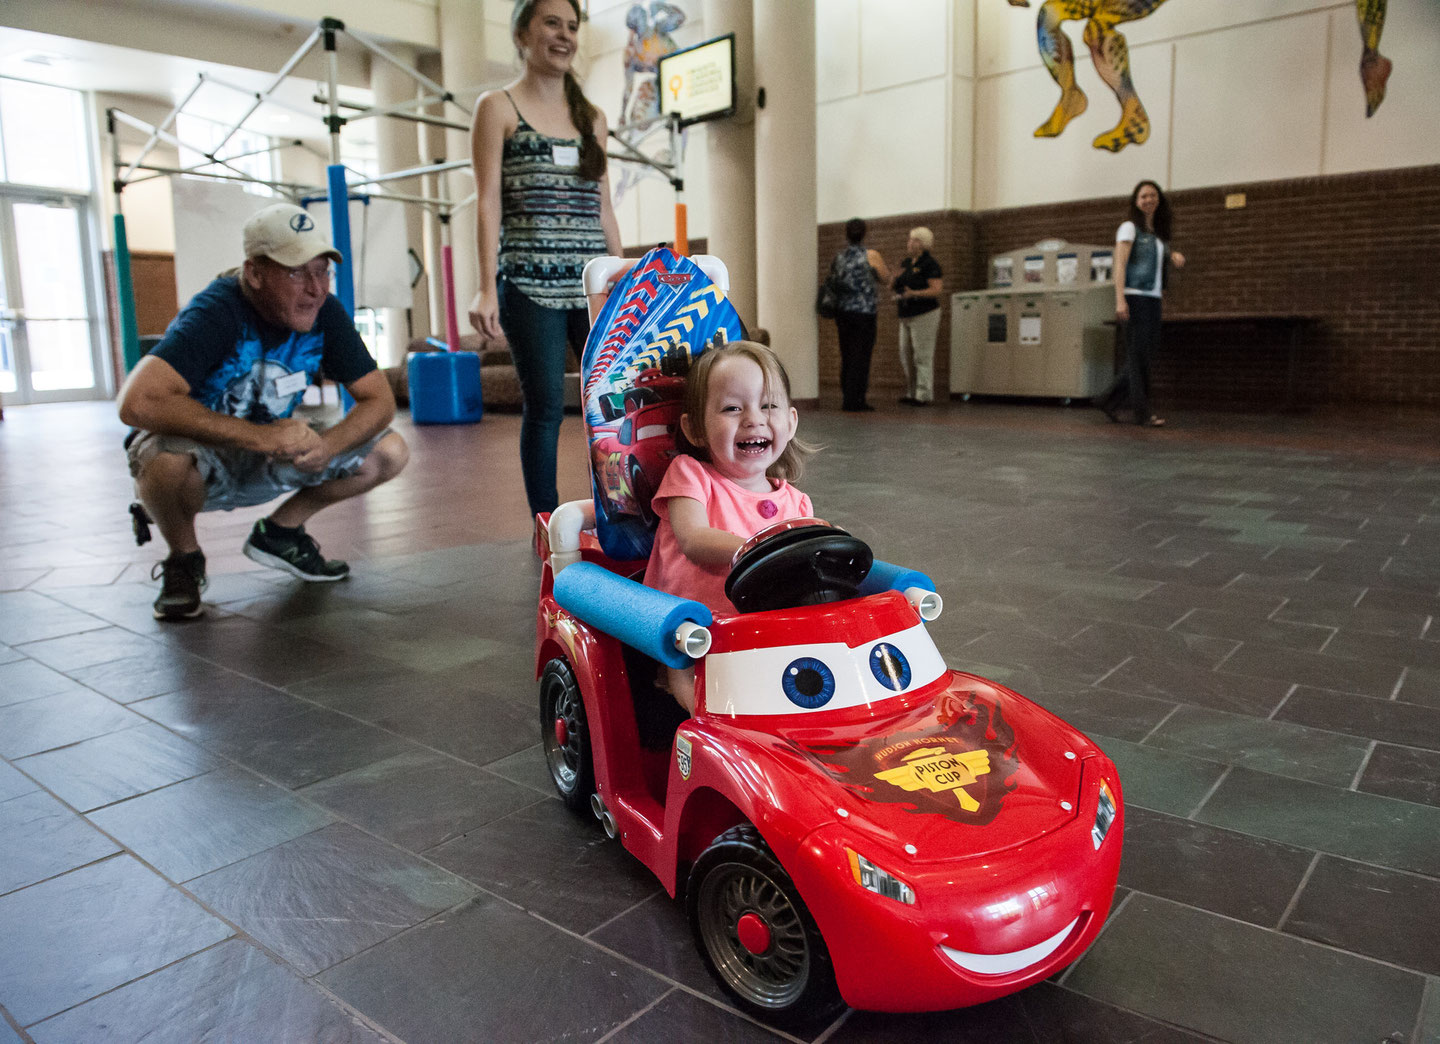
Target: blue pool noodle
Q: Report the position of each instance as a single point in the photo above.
(639, 616)
(886, 577)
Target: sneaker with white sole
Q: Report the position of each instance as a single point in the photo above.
(294, 551)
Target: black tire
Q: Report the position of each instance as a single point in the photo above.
(792, 982)
(568, 755)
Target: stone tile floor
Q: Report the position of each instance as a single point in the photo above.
(320, 814)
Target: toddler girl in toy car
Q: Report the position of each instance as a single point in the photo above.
(738, 454)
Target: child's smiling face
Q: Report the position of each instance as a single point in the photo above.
(747, 426)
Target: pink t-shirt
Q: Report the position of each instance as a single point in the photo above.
(727, 507)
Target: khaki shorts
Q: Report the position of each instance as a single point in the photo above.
(242, 478)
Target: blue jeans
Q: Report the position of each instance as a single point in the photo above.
(539, 337)
(1142, 340)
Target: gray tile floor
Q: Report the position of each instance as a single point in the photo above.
(319, 813)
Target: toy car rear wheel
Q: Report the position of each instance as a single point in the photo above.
(565, 735)
(757, 936)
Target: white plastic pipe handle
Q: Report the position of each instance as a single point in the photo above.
(692, 639)
(927, 603)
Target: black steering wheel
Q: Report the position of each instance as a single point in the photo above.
(798, 562)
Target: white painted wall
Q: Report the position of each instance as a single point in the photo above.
(893, 109)
(932, 104)
(1252, 91)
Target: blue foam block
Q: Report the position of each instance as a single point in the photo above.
(886, 577)
(445, 388)
(639, 616)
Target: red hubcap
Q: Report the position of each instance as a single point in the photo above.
(562, 734)
(754, 933)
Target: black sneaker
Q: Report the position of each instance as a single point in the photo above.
(294, 551)
(182, 577)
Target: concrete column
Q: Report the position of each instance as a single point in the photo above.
(397, 143)
(462, 52)
(731, 186)
(785, 197)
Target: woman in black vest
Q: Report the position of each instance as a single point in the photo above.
(1142, 247)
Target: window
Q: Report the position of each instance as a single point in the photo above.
(244, 151)
(370, 323)
(31, 113)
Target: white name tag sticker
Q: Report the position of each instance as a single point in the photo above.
(291, 384)
(565, 155)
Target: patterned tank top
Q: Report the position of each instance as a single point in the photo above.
(549, 218)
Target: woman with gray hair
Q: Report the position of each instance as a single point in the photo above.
(917, 299)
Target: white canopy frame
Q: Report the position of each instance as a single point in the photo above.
(327, 35)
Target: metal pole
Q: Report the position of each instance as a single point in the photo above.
(335, 176)
(447, 274)
(276, 82)
(155, 135)
(398, 175)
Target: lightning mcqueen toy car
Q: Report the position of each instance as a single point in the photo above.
(849, 820)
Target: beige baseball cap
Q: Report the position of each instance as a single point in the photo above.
(287, 235)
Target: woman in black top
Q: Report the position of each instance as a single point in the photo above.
(917, 299)
(857, 271)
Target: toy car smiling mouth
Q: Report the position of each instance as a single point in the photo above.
(849, 820)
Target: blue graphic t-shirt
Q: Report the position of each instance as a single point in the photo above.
(239, 365)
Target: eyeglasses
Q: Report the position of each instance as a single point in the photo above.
(317, 270)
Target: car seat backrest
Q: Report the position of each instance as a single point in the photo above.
(646, 328)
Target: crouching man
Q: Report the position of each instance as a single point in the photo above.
(211, 406)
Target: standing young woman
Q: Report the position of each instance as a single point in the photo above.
(1142, 245)
(542, 210)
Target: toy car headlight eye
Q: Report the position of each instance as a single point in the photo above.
(890, 667)
(1104, 815)
(808, 683)
(871, 878)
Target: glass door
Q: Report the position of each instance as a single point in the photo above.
(49, 343)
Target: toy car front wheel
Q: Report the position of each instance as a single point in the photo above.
(565, 736)
(755, 933)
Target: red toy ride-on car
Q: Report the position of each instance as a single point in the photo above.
(849, 820)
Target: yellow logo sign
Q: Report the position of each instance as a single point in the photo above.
(937, 769)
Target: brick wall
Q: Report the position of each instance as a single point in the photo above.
(1359, 251)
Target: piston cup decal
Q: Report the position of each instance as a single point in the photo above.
(961, 767)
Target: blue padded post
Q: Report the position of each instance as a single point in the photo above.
(340, 235)
(886, 577)
(639, 616)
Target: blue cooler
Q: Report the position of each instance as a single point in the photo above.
(445, 388)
